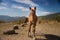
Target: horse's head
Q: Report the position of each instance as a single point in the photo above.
(32, 9)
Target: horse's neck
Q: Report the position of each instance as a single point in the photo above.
(32, 14)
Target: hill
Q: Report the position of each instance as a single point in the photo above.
(54, 16)
(8, 18)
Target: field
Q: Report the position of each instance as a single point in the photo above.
(44, 31)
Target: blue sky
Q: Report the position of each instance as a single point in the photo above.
(21, 7)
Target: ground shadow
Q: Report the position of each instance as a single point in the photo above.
(39, 39)
(10, 32)
(52, 37)
(49, 37)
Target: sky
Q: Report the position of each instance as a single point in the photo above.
(15, 8)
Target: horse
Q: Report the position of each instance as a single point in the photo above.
(32, 20)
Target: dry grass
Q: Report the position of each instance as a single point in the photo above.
(43, 28)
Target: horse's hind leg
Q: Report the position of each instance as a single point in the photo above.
(34, 26)
(33, 30)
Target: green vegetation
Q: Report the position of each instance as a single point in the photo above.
(2, 21)
(51, 17)
(19, 21)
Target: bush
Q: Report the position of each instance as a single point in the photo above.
(2, 21)
(18, 21)
(58, 19)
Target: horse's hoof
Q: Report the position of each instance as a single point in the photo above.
(30, 36)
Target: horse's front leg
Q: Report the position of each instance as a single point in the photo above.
(29, 30)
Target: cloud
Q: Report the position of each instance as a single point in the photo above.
(20, 8)
(4, 4)
(44, 13)
(29, 2)
(3, 8)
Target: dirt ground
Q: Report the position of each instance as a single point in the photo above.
(44, 31)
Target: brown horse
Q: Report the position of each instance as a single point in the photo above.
(32, 20)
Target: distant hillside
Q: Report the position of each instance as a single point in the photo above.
(8, 18)
(54, 16)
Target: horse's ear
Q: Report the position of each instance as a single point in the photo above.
(29, 7)
(35, 8)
